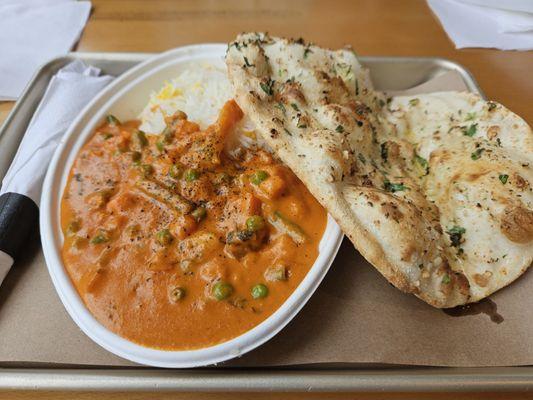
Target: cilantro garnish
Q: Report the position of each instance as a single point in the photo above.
(476, 155)
(422, 162)
(503, 178)
(267, 87)
(393, 187)
(470, 131)
(456, 235)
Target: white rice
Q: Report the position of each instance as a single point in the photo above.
(200, 91)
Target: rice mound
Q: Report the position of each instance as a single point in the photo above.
(200, 91)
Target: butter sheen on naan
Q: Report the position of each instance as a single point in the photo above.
(433, 190)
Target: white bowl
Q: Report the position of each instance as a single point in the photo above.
(126, 97)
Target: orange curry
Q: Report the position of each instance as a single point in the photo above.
(174, 242)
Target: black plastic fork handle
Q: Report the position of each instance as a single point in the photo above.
(19, 216)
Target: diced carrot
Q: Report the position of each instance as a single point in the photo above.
(251, 205)
(229, 116)
(125, 134)
(123, 141)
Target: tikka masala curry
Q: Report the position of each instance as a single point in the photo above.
(174, 242)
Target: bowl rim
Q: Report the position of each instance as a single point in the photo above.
(51, 236)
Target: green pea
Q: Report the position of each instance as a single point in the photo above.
(99, 238)
(147, 170)
(199, 213)
(141, 138)
(222, 290)
(177, 293)
(164, 237)
(191, 174)
(258, 176)
(160, 146)
(255, 223)
(259, 291)
(112, 120)
(175, 171)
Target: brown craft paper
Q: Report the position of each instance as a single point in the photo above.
(354, 317)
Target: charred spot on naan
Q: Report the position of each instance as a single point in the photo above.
(517, 224)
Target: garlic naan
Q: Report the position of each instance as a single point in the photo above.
(433, 190)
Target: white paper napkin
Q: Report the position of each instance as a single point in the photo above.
(500, 25)
(510, 15)
(512, 5)
(33, 32)
(68, 92)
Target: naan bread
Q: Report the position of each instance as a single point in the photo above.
(433, 190)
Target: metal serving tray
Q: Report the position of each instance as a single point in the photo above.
(392, 73)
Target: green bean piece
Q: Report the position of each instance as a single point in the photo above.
(191, 174)
(177, 293)
(112, 120)
(168, 135)
(73, 227)
(147, 170)
(99, 238)
(259, 291)
(255, 223)
(175, 171)
(136, 156)
(285, 225)
(106, 135)
(164, 237)
(199, 213)
(258, 176)
(141, 138)
(222, 290)
(160, 146)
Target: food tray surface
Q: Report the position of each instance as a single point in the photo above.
(393, 73)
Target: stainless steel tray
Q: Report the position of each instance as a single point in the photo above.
(392, 73)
